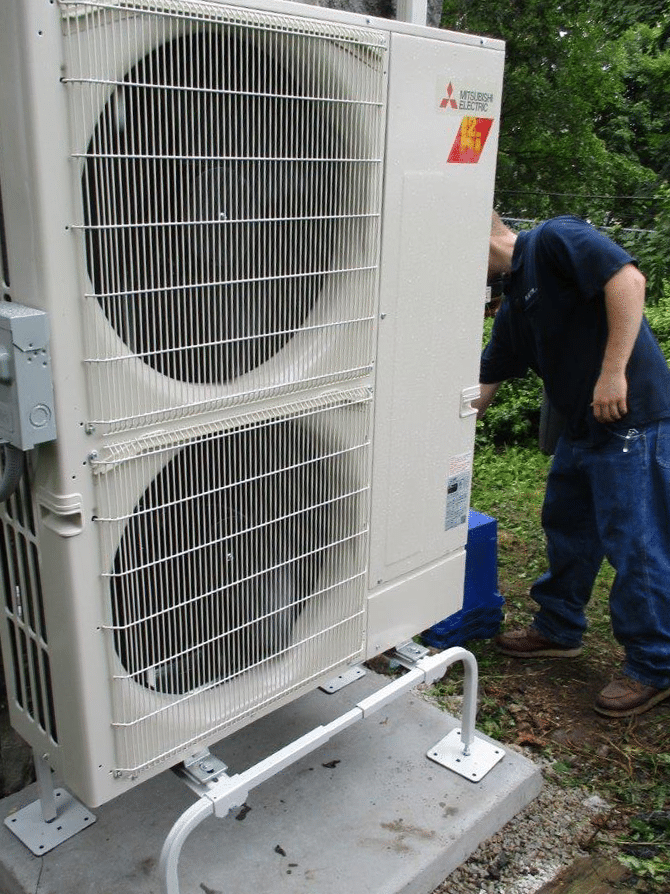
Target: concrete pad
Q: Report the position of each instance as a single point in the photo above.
(367, 813)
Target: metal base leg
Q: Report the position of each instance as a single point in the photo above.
(461, 751)
(227, 792)
(474, 765)
(55, 818)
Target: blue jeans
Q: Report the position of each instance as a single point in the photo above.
(611, 501)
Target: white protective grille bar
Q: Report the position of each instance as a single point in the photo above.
(230, 172)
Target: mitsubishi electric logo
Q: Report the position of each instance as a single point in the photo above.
(465, 100)
(449, 101)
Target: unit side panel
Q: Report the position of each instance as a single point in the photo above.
(440, 168)
(50, 561)
(390, 622)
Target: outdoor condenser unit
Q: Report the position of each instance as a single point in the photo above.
(257, 234)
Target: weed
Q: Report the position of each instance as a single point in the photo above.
(646, 849)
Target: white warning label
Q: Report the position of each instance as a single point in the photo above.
(458, 490)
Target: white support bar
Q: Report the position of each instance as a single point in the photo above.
(225, 796)
(45, 787)
(391, 691)
(232, 791)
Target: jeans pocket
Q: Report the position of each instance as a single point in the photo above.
(624, 440)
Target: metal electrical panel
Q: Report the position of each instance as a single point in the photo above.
(26, 385)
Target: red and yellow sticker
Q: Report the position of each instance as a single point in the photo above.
(470, 140)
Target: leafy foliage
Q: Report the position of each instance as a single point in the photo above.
(658, 315)
(646, 850)
(585, 123)
(652, 248)
(514, 416)
(634, 121)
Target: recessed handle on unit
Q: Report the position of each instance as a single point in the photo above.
(61, 513)
(467, 396)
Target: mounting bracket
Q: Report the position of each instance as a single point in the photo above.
(57, 816)
(220, 796)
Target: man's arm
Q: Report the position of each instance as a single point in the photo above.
(487, 393)
(624, 304)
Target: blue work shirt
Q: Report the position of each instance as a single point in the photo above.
(553, 320)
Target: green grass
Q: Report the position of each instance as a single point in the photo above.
(509, 486)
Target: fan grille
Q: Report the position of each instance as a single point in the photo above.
(234, 237)
(231, 206)
(239, 573)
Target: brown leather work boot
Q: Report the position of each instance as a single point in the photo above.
(529, 643)
(625, 697)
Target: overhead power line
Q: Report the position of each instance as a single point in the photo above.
(572, 195)
(516, 221)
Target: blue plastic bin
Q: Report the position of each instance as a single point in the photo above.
(481, 615)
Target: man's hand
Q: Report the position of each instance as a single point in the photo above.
(486, 395)
(609, 397)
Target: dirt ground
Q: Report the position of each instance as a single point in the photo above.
(551, 701)
(546, 705)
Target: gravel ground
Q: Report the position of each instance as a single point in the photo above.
(549, 835)
(556, 829)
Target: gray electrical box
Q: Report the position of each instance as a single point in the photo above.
(26, 385)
